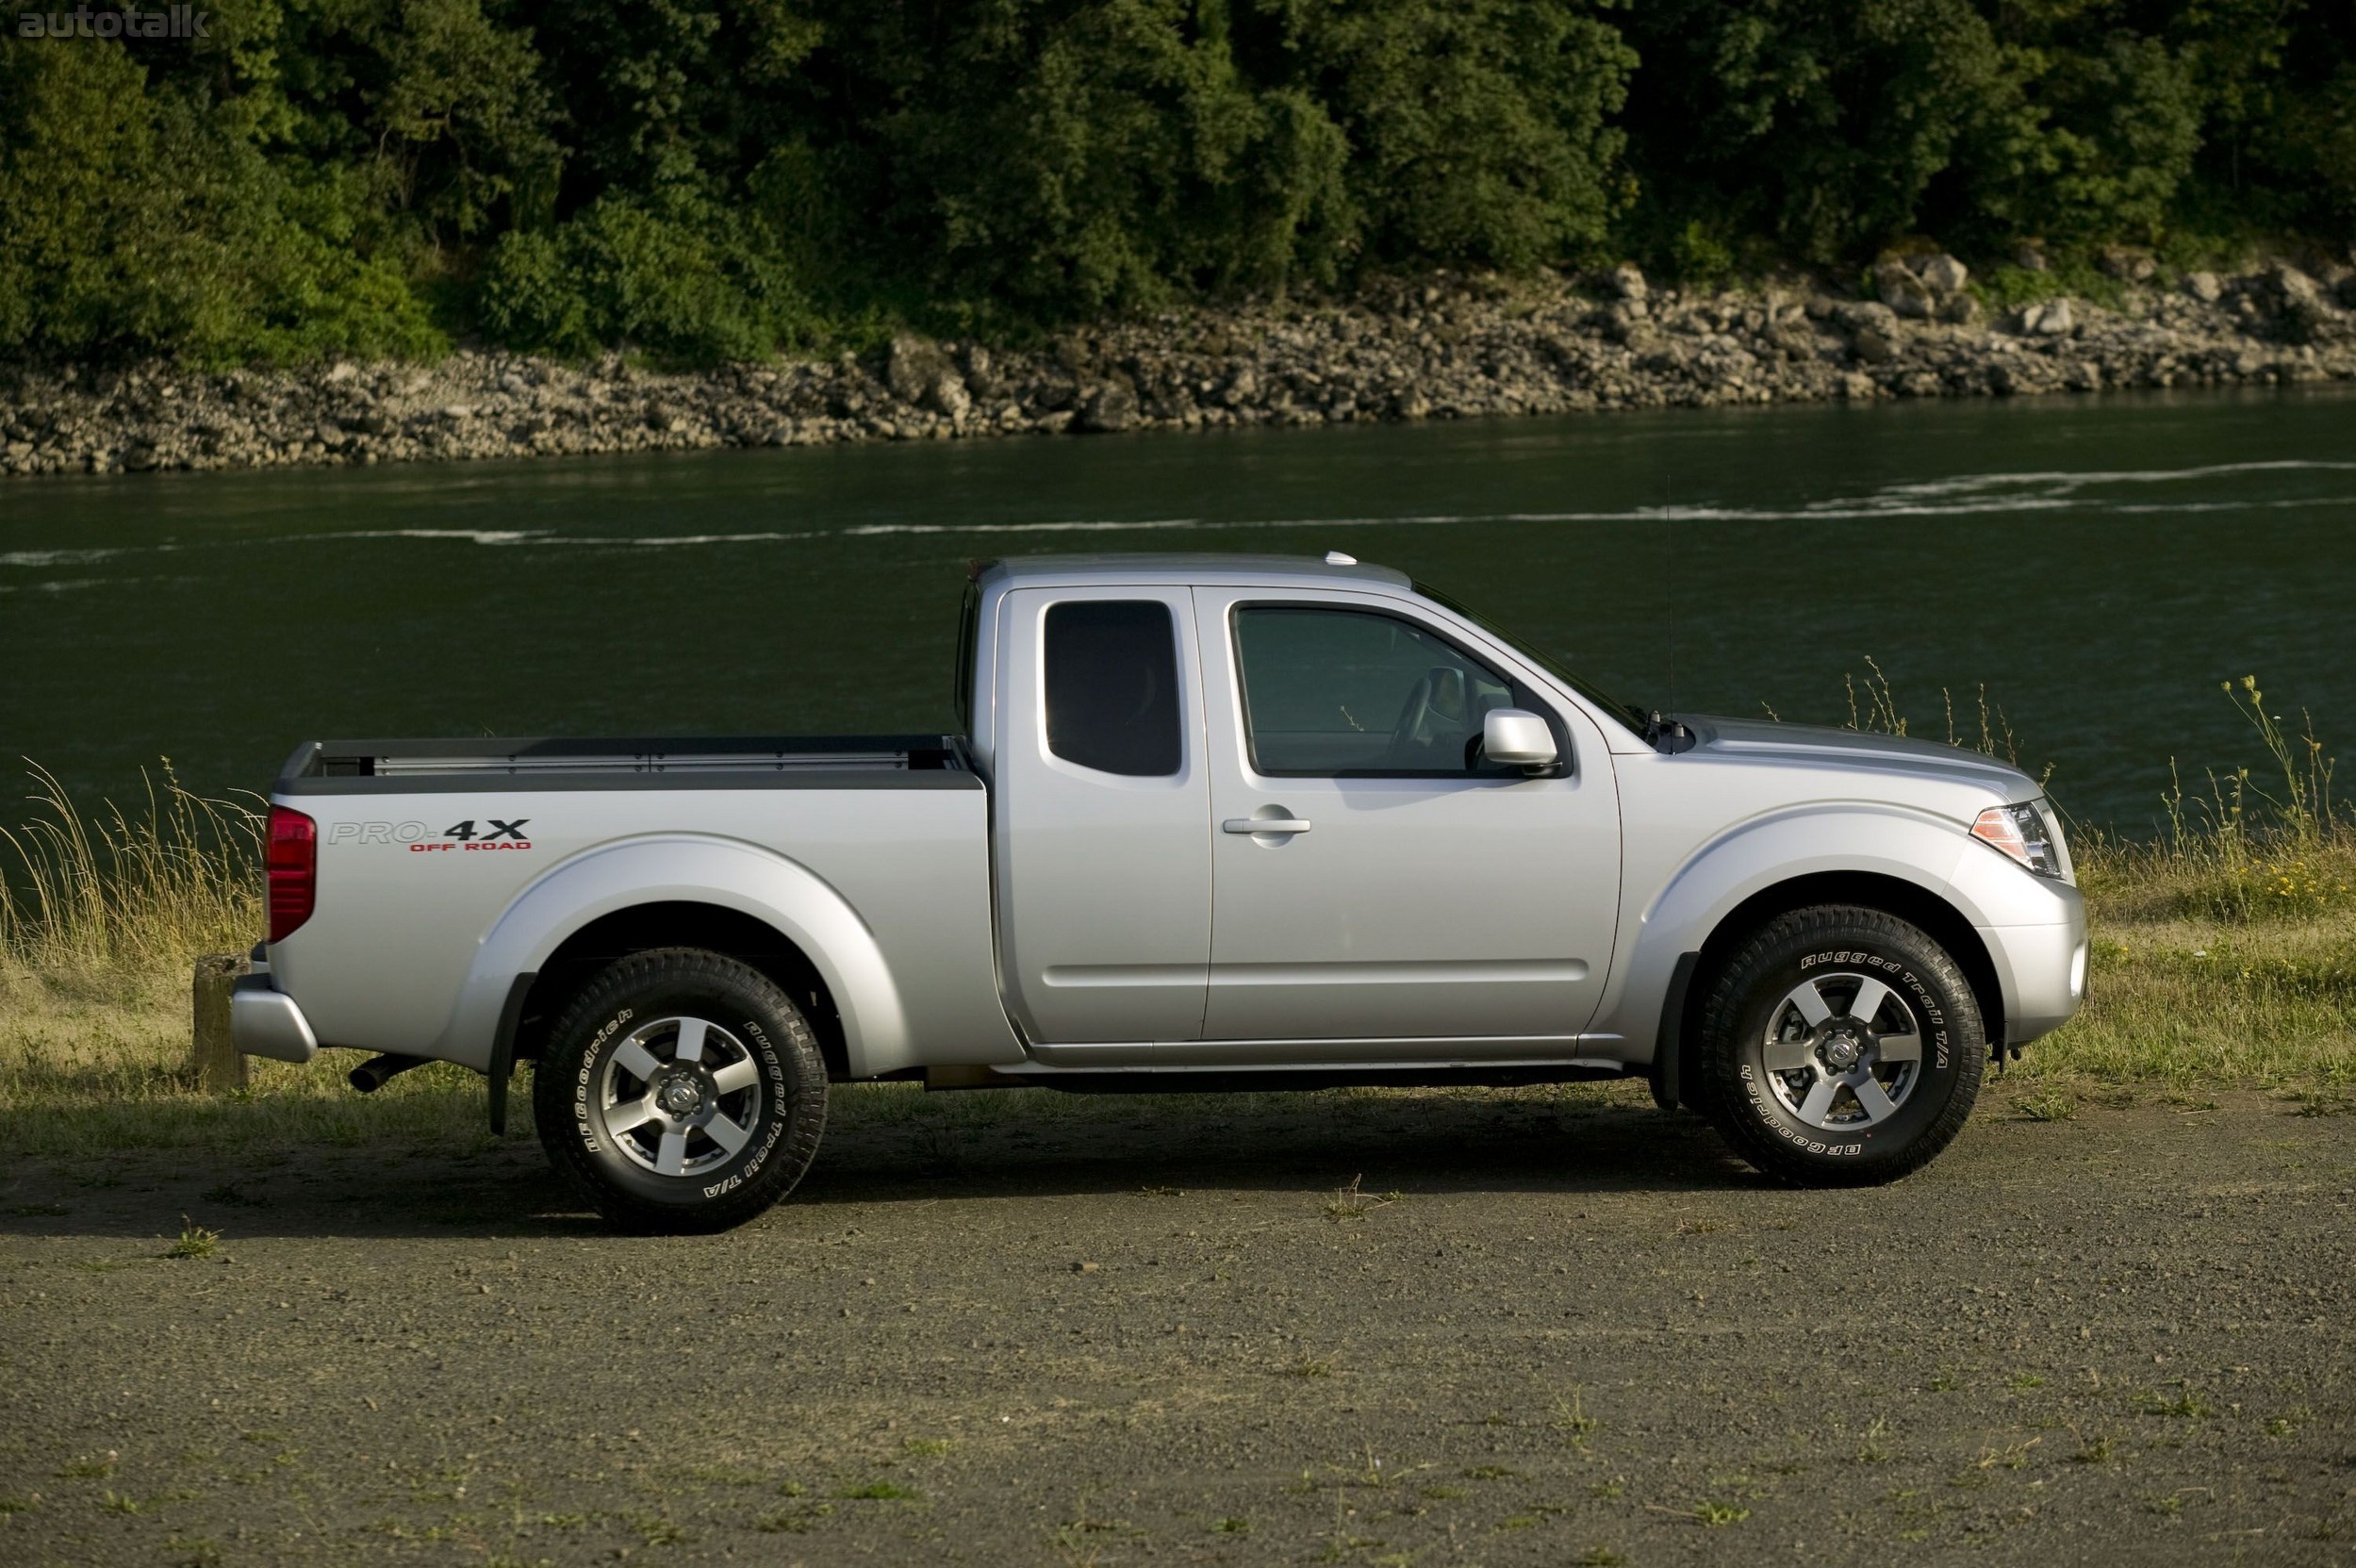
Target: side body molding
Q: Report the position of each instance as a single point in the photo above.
(688, 868)
(1680, 913)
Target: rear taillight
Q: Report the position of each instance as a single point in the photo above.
(293, 863)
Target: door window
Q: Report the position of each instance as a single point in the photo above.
(1332, 693)
(1112, 686)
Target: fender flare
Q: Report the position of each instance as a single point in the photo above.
(728, 873)
(1852, 837)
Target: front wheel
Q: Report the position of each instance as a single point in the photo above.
(1840, 1046)
(683, 1090)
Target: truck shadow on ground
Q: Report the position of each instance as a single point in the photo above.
(1465, 1143)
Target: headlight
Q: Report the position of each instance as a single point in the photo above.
(2028, 833)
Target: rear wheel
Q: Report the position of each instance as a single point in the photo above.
(1841, 1046)
(683, 1090)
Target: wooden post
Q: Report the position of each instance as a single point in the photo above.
(214, 1061)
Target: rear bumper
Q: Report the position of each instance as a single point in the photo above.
(265, 1021)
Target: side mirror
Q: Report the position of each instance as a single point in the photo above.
(1515, 737)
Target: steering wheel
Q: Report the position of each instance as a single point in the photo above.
(1407, 735)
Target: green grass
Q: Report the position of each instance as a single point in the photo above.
(2095, 1450)
(891, 1491)
(2006, 287)
(2224, 957)
(195, 1241)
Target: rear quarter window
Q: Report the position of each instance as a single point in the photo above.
(1112, 686)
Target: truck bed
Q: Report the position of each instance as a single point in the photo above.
(448, 866)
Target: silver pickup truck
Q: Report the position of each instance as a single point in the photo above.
(1216, 822)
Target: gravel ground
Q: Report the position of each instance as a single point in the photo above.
(1579, 1333)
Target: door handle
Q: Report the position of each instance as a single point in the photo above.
(1264, 824)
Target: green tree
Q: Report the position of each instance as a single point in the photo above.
(716, 178)
(1823, 127)
(1479, 132)
(134, 220)
(1079, 157)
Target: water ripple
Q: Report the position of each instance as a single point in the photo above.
(2045, 492)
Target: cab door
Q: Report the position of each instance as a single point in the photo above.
(1379, 886)
(1102, 805)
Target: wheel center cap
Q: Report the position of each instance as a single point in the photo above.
(681, 1095)
(1842, 1052)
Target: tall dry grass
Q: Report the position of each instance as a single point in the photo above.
(103, 913)
(115, 888)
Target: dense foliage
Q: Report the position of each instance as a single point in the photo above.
(722, 178)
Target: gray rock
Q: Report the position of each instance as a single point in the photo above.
(1051, 394)
(1484, 346)
(1109, 408)
(1944, 274)
(1903, 293)
(1853, 314)
(2053, 318)
(2029, 255)
(946, 396)
(2128, 264)
(2306, 316)
(1628, 283)
(1628, 321)
(914, 367)
(2295, 286)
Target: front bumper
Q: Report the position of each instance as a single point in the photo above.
(265, 1021)
(2042, 971)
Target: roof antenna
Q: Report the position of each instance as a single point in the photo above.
(1335, 558)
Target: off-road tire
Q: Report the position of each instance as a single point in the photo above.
(752, 1021)
(1747, 995)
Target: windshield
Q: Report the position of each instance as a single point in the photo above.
(1636, 717)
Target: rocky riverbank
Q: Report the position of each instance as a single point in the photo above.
(1447, 347)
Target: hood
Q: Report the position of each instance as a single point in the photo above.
(1759, 741)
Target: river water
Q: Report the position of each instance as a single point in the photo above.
(2099, 565)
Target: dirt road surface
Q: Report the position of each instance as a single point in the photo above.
(1155, 1333)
